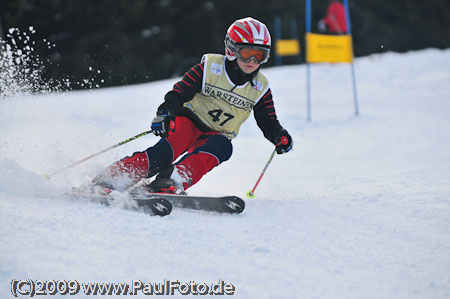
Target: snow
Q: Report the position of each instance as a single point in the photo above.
(359, 209)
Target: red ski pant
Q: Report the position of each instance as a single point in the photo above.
(203, 151)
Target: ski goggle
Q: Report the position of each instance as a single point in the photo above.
(247, 53)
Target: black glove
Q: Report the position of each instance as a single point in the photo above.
(164, 121)
(283, 141)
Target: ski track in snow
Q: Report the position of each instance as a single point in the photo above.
(359, 209)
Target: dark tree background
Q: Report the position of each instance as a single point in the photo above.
(133, 41)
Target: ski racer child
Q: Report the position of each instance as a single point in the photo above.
(203, 113)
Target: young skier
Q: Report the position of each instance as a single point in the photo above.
(202, 114)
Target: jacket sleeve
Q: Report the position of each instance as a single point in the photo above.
(184, 90)
(266, 117)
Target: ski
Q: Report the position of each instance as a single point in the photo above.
(223, 204)
(161, 203)
(149, 205)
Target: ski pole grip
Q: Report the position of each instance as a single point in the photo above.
(172, 125)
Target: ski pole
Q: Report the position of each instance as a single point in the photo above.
(48, 176)
(251, 194)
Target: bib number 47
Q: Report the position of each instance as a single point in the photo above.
(219, 115)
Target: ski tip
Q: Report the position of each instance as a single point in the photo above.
(234, 204)
(242, 202)
(250, 194)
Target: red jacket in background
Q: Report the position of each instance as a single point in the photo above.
(335, 19)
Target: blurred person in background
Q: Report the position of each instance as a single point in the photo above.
(334, 22)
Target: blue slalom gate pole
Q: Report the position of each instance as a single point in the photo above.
(277, 25)
(308, 71)
(308, 92)
(355, 96)
(349, 31)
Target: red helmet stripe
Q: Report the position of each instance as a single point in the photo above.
(242, 35)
